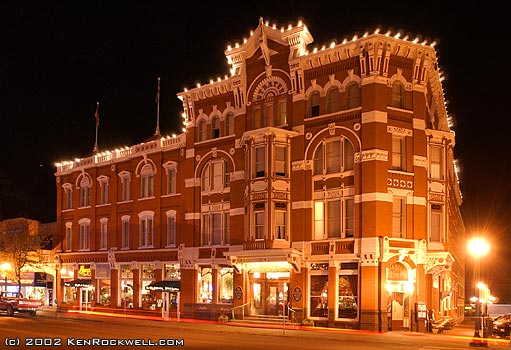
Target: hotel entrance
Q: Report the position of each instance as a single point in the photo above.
(269, 293)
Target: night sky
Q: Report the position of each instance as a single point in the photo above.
(58, 58)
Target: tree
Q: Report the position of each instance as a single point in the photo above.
(19, 242)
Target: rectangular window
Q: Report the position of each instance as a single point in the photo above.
(171, 181)
(103, 244)
(125, 239)
(126, 183)
(259, 218)
(216, 225)
(319, 221)
(218, 175)
(333, 219)
(435, 164)
(205, 229)
(205, 276)
(260, 161)
(333, 157)
(146, 186)
(436, 223)
(227, 228)
(398, 153)
(348, 296)
(146, 232)
(319, 296)
(68, 198)
(398, 217)
(171, 231)
(84, 196)
(268, 114)
(84, 237)
(69, 235)
(349, 218)
(103, 195)
(281, 161)
(280, 220)
(282, 113)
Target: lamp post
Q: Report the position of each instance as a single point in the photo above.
(5, 267)
(477, 248)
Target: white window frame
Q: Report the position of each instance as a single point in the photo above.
(352, 95)
(103, 189)
(215, 176)
(229, 124)
(171, 234)
(146, 229)
(68, 196)
(399, 217)
(282, 112)
(281, 221)
(436, 228)
(125, 178)
(103, 240)
(259, 221)
(84, 235)
(314, 104)
(171, 172)
(345, 151)
(69, 236)
(259, 163)
(332, 100)
(398, 152)
(85, 186)
(215, 127)
(436, 157)
(215, 235)
(281, 166)
(147, 181)
(125, 232)
(345, 219)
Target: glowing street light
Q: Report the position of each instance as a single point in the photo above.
(478, 247)
(4, 267)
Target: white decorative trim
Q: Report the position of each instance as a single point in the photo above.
(297, 165)
(373, 197)
(419, 124)
(302, 205)
(190, 153)
(192, 182)
(374, 116)
(192, 216)
(237, 211)
(394, 130)
(372, 154)
(420, 161)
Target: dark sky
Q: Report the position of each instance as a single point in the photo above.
(58, 58)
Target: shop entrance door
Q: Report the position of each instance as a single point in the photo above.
(85, 298)
(276, 300)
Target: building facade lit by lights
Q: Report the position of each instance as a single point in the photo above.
(313, 183)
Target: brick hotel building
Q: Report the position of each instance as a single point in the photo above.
(319, 179)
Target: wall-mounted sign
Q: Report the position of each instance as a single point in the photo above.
(238, 293)
(422, 313)
(297, 294)
(84, 271)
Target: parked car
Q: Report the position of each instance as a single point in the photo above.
(502, 325)
(14, 302)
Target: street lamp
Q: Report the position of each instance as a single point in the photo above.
(477, 247)
(5, 267)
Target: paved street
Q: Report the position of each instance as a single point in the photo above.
(65, 331)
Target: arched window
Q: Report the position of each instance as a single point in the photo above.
(147, 181)
(352, 95)
(333, 156)
(398, 95)
(332, 100)
(201, 130)
(314, 102)
(85, 192)
(215, 175)
(215, 128)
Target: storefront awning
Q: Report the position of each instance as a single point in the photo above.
(77, 283)
(165, 286)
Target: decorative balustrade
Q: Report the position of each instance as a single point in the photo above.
(165, 143)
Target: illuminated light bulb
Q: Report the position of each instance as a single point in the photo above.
(397, 35)
(218, 79)
(345, 41)
(388, 33)
(226, 77)
(237, 45)
(274, 26)
(315, 50)
(289, 27)
(174, 135)
(229, 48)
(377, 31)
(332, 44)
(251, 32)
(416, 40)
(365, 34)
(355, 37)
(323, 48)
(424, 42)
(183, 129)
(186, 89)
(433, 44)
(244, 40)
(300, 23)
(211, 81)
(405, 38)
(267, 23)
(198, 85)
(282, 29)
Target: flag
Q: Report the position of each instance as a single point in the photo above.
(96, 115)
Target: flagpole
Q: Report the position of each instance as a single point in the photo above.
(157, 132)
(96, 115)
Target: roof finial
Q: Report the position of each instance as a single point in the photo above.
(263, 42)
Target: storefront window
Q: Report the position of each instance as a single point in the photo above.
(172, 271)
(226, 279)
(148, 297)
(126, 286)
(205, 285)
(319, 296)
(104, 293)
(348, 291)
